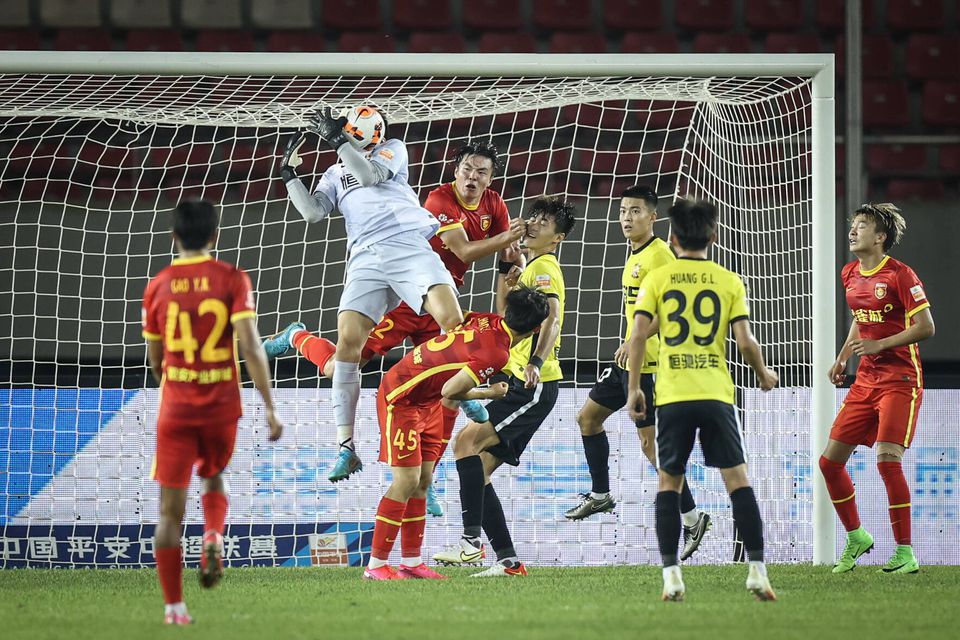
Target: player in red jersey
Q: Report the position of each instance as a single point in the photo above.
(891, 314)
(474, 223)
(447, 367)
(192, 310)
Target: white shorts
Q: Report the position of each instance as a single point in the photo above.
(401, 268)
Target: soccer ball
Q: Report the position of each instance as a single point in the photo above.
(365, 126)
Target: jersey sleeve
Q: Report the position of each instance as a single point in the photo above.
(484, 363)
(661, 258)
(392, 155)
(501, 218)
(739, 310)
(544, 276)
(242, 304)
(445, 210)
(648, 297)
(151, 327)
(329, 184)
(910, 290)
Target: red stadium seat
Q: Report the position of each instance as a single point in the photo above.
(774, 15)
(368, 42)
(225, 40)
(296, 42)
(649, 42)
(791, 43)
(422, 15)
(432, 42)
(710, 15)
(153, 40)
(19, 40)
(932, 56)
(518, 42)
(211, 14)
(915, 15)
(885, 104)
(896, 159)
(831, 14)
(562, 15)
(83, 40)
(492, 15)
(941, 103)
(577, 42)
(721, 43)
(631, 15)
(899, 190)
(281, 14)
(950, 159)
(877, 56)
(69, 14)
(351, 15)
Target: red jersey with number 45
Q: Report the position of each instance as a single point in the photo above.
(191, 305)
(480, 346)
(883, 300)
(488, 218)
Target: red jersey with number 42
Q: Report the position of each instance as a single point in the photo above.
(489, 218)
(191, 305)
(480, 346)
(883, 300)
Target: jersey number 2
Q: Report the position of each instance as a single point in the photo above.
(676, 317)
(186, 343)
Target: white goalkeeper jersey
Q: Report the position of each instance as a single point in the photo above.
(375, 213)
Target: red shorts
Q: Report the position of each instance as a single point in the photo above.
(181, 445)
(396, 326)
(870, 414)
(409, 435)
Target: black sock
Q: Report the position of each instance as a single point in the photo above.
(687, 503)
(746, 516)
(495, 524)
(668, 526)
(597, 450)
(470, 470)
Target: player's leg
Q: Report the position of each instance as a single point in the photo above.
(215, 448)
(418, 276)
(605, 398)
(495, 527)
(414, 523)
(469, 443)
(442, 304)
(444, 413)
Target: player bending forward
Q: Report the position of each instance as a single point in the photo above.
(891, 314)
(448, 367)
(481, 447)
(474, 223)
(388, 233)
(695, 300)
(192, 310)
(638, 212)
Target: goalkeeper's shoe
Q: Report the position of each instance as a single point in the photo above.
(434, 507)
(589, 506)
(693, 536)
(902, 561)
(386, 572)
(673, 587)
(859, 542)
(176, 614)
(759, 584)
(211, 560)
(419, 572)
(347, 464)
(279, 343)
(463, 552)
(475, 411)
(503, 570)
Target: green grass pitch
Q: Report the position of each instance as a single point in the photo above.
(599, 602)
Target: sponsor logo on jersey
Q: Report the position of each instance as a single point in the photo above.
(917, 293)
(386, 153)
(347, 181)
(485, 221)
(542, 281)
(880, 290)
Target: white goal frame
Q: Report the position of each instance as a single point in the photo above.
(818, 67)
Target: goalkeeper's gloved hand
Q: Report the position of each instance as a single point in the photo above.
(475, 411)
(291, 159)
(329, 128)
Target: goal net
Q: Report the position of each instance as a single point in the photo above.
(92, 164)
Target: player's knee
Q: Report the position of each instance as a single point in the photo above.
(464, 443)
(406, 484)
(589, 426)
(887, 452)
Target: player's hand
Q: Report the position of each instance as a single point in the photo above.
(329, 128)
(276, 426)
(513, 253)
(531, 376)
(513, 276)
(837, 373)
(497, 390)
(291, 158)
(516, 230)
(864, 347)
(637, 404)
(768, 379)
(621, 354)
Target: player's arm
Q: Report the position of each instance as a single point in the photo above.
(636, 353)
(468, 251)
(836, 373)
(367, 172)
(620, 355)
(549, 331)
(750, 349)
(155, 358)
(463, 386)
(921, 328)
(313, 207)
(251, 350)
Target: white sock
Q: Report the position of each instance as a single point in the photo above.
(179, 608)
(671, 569)
(345, 395)
(759, 566)
(376, 563)
(599, 496)
(412, 562)
(345, 437)
(690, 518)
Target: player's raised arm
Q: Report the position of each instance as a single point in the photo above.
(251, 350)
(750, 349)
(355, 122)
(313, 207)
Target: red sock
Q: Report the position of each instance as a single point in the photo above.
(840, 488)
(414, 522)
(389, 519)
(898, 494)
(314, 348)
(170, 572)
(214, 510)
(449, 418)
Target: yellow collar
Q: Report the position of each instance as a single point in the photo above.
(468, 207)
(194, 260)
(875, 269)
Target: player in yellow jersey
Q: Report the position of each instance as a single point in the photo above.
(695, 300)
(480, 448)
(638, 212)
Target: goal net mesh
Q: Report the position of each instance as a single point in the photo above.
(91, 165)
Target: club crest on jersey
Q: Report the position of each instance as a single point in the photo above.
(636, 271)
(485, 221)
(880, 290)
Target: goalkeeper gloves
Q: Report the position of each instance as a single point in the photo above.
(291, 159)
(475, 411)
(329, 128)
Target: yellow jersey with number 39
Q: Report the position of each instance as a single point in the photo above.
(696, 301)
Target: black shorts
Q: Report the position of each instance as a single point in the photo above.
(721, 438)
(610, 391)
(518, 415)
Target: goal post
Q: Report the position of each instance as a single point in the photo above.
(99, 145)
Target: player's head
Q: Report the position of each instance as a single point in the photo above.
(194, 224)
(527, 308)
(638, 212)
(875, 225)
(549, 221)
(693, 224)
(474, 166)
(366, 126)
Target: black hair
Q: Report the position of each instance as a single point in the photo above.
(887, 219)
(559, 210)
(482, 148)
(642, 192)
(527, 308)
(693, 222)
(194, 222)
